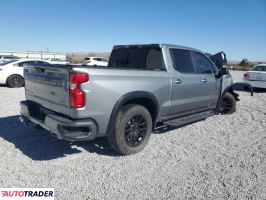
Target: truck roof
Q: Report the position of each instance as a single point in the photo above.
(155, 45)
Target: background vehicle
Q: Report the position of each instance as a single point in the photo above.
(11, 72)
(256, 77)
(57, 61)
(95, 61)
(4, 59)
(143, 85)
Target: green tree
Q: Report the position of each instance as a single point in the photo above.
(245, 63)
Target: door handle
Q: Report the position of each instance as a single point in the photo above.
(204, 80)
(178, 81)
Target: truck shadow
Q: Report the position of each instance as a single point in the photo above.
(259, 90)
(41, 145)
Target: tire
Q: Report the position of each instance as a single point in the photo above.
(228, 104)
(15, 81)
(133, 127)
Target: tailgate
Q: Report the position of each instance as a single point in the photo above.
(48, 86)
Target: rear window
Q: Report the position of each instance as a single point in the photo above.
(143, 58)
(261, 68)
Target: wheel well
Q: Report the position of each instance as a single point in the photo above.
(149, 104)
(231, 91)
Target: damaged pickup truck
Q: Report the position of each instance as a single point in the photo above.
(142, 86)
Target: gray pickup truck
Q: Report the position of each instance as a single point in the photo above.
(142, 86)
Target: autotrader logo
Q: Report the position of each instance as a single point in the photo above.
(27, 193)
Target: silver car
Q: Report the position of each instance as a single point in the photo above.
(256, 77)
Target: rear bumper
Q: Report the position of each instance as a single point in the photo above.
(61, 126)
(256, 84)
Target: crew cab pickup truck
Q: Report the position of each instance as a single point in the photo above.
(142, 86)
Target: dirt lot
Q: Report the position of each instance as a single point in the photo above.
(223, 157)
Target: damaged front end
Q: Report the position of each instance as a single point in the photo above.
(227, 85)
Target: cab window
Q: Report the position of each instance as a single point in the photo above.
(203, 65)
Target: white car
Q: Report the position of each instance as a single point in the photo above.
(4, 59)
(11, 72)
(95, 61)
(57, 61)
(256, 77)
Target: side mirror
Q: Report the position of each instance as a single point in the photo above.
(223, 71)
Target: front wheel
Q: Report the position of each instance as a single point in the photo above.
(132, 130)
(227, 104)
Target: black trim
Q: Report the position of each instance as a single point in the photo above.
(124, 99)
(178, 116)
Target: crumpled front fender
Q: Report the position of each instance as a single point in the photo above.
(240, 86)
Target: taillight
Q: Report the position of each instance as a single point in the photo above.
(76, 95)
(246, 76)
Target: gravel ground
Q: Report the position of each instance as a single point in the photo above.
(222, 157)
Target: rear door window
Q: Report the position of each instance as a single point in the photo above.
(182, 61)
(143, 58)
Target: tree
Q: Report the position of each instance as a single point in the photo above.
(245, 63)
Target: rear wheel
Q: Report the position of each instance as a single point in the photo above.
(15, 81)
(227, 104)
(132, 130)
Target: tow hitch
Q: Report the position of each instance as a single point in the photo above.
(23, 120)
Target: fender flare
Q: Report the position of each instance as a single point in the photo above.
(235, 86)
(126, 97)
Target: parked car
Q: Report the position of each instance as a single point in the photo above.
(57, 61)
(256, 77)
(143, 85)
(95, 61)
(11, 72)
(4, 59)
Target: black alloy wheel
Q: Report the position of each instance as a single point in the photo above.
(135, 131)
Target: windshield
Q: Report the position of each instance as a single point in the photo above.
(7, 62)
(261, 68)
